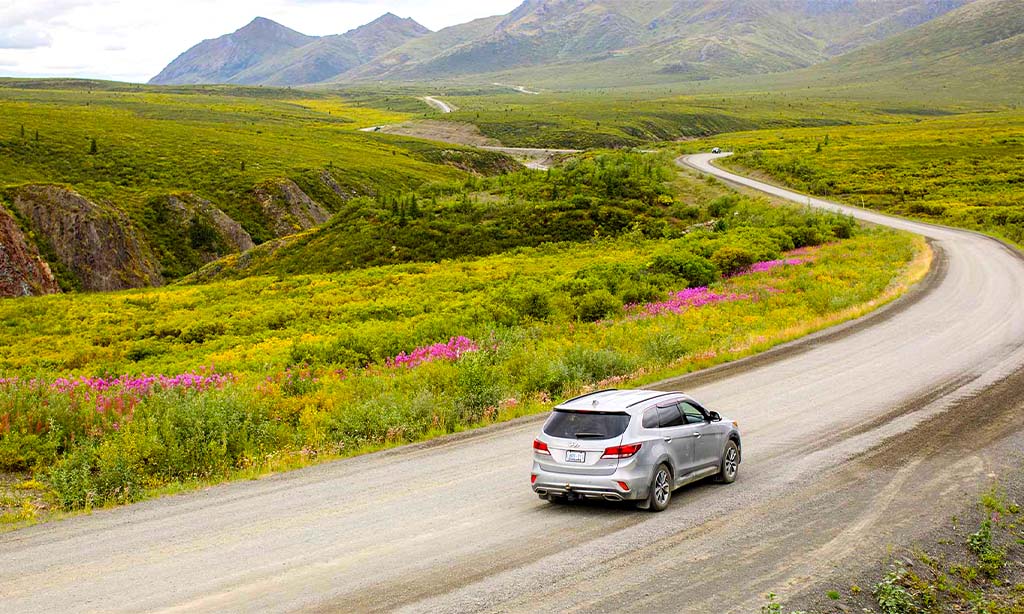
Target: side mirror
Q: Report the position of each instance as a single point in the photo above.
(714, 416)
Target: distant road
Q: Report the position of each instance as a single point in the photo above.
(519, 88)
(438, 104)
(855, 438)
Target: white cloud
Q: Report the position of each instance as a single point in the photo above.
(24, 37)
(133, 40)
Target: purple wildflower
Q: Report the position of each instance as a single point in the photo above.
(453, 350)
(683, 300)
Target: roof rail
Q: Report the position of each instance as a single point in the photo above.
(583, 396)
(651, 398)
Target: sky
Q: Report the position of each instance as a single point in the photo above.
(132, 40)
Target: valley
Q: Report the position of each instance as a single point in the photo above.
(277, 327)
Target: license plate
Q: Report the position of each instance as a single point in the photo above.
(575, 456)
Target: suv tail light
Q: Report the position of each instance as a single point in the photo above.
(625, 451)
(540, 447)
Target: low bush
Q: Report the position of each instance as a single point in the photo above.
(732, 260)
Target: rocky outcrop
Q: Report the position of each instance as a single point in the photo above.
(96, 244)
(287, 209)
(22, 271)
(332, 184)
(192, 212)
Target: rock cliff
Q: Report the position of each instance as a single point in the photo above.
(22, 271)
(97, 245)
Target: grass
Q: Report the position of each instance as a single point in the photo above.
(965, 171)
(634, 117)
(598, 194)
(626, 117)
(217, 143)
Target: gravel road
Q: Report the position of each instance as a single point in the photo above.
(854, 438)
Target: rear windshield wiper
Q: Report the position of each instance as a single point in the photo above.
(590, 436)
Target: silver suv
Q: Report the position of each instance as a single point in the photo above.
(632, 445)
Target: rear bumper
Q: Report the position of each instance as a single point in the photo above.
(607, 487)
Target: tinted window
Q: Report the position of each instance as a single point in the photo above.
(651, 418)
(693, 415)
(669, 416)
(586, 424)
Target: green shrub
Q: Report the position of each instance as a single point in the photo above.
(665, 347)
(202, 332)
(391, 417)
(722, 205)
(806, 236)
(731, 260)
(695, 270)
(588, 366)
(637, 292)
(477, 388)
(71, 479)
(597, 305)
(901, 592)
(20, 451)
(992, 558)
(536, 305)
(335, 352)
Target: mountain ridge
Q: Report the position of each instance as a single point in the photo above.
(652, 40)
(265, 52)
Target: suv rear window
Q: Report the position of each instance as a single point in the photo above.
(567, 424)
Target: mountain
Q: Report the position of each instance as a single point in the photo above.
(607, 42)
(220, 59)
(973, 53)
(427, 47)
(986, 36)
(267, 53)
(565, 43)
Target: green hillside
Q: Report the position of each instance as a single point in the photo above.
(586, 197)
(634, 117)
(974, 55)
(965, 171)
(163, 164)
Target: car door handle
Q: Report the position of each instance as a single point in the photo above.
(668, 439)
(697, 435)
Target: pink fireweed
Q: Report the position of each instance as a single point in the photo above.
(453, 350)
(143, 385)
(138, 385)
(684, 299)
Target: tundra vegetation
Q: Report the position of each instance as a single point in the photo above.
(645, 272)
(965, 171)
(593, 195)
(142, 156)
(637, 116)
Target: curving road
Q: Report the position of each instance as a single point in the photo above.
(854, 438)
(439, 104)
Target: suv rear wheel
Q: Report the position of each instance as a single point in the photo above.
(661, 489)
